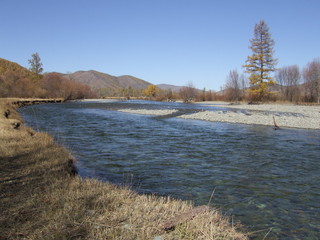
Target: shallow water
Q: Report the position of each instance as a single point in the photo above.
(268, 180)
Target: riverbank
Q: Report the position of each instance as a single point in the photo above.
(42, 197)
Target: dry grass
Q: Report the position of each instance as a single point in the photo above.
(40, 199)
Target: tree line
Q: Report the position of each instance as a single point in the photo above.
(288, 84)
(291, 84)
(16, 81)
(187, 94)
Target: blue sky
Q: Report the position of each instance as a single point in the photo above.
(160, 41)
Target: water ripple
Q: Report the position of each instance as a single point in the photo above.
(266, 179)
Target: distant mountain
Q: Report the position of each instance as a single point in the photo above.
(168, 86)
(94, 79)
(98, 80)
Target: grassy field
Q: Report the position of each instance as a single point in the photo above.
(42, 198)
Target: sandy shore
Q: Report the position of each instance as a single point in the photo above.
(286, 115)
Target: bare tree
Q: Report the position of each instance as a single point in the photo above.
(235, 86)
(57, 85)
(288, 78)
(244, 82)
(311, 75)
(209, 95)
(188, 93)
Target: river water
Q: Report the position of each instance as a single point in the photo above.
(268, 180)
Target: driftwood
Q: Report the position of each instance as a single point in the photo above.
(276, 127)
(184, 217)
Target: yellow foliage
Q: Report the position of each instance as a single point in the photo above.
(150, 91)
(261, 63)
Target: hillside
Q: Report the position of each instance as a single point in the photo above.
(17, 81)
(98, 80)
(103, 84)
(6, 66)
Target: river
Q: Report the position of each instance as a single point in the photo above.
(268, 180)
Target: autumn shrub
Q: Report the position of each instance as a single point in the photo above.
(56, 85)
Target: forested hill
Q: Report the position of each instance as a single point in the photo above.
(99, 80)
(17, 81)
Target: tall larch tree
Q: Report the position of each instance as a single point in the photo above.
(261, 63)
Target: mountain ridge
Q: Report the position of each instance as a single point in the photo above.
(99, 80)
(173, 88)
(94, 79)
